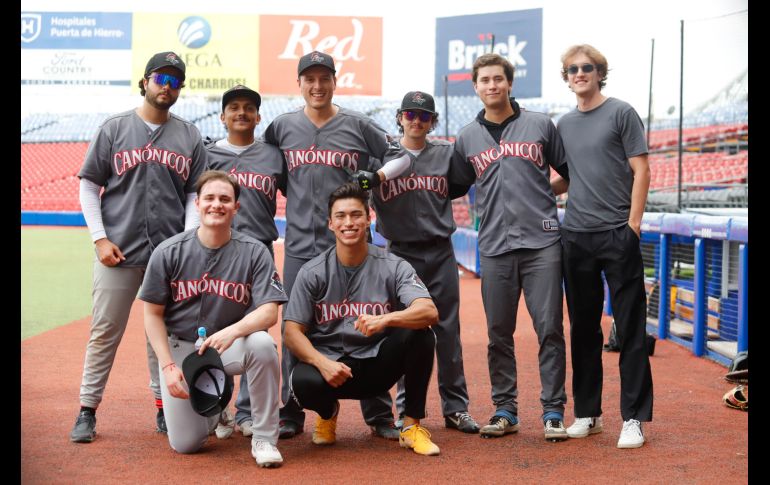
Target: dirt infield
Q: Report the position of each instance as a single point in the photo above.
(693, 439)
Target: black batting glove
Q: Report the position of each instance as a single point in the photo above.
(367, 180)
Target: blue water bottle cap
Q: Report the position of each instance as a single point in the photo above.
(202, 332)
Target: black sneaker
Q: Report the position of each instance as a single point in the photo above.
(461, 421)
(85, 428)
(288, 429)
(160, 422)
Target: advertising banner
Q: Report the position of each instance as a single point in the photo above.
(219, 50)
(516, 35)
(355, 43)
(87, 48)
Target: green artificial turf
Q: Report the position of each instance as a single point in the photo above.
(56, 277)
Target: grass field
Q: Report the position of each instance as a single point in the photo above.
(56, 277)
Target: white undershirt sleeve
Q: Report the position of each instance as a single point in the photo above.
(191, 217)
(92, 209)
(393, 168)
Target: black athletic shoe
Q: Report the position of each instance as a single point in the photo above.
(288, 429)
(85, 428)
(461, 421)
(160, 422)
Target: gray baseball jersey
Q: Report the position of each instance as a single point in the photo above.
(211, 288)
(517, 208)
(328, 301)
(598, 144)
(145, 175)
(260, 172)
(319, 160)
(416, 206)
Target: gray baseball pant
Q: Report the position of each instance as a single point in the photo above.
(538, 273)
(376, 410)
(114, 291)
(436, 265)
(242, 402)
(255, 353)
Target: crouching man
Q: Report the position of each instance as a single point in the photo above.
(358, 319)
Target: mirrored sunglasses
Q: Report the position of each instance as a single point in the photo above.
(424, 116)
(163, 79)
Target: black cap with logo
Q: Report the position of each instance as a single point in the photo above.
(315, 58)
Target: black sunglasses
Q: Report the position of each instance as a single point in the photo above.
(423, 115)
(586, 68)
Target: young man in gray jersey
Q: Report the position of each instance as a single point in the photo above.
(414, 212)
(358, 320)
(225, 281)
(147, 161)
(323, 145)
(509, 153)
(259, 170)
(609, 177)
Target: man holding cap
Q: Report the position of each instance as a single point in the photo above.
(414, 212)
(323, 145)
(258, 169)
(147, 161)
(225, 281)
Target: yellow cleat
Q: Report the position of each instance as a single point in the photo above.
(418, 439)
(325, 431)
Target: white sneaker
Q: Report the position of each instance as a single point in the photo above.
(226, 425)
(246, 427)
(582, 427)
(266, 454)
(631, 436)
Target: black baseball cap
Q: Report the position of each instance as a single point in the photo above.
(239, 90)
(164, 59)
(418, 100)
(210, 386)
(315, 58)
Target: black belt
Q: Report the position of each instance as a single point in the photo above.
(419, 244)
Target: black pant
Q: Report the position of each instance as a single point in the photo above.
(585, 256)
(407, 353)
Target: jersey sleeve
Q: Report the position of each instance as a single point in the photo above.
(409, 286)
(96, 166)
(554, 153)
(377, 140)
(269, 135)
(266, 286)
(155, 286)
(301, 307)
(199, 163)
(461, 172)
(632, 133)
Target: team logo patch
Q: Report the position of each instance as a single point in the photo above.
(275, 281)
(550, 225)
(416, 281)
(316, 57)
(417, 98)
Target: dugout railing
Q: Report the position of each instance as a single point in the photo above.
(697, 265)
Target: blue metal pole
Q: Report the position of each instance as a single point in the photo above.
(743, 297)
(663, 288)
(699, 319)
